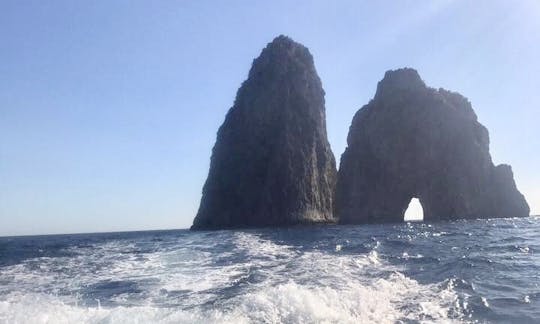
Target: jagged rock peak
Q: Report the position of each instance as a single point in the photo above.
(400, 79)
(407, 80)
(272, 164)
(281, 55)
(284, 44)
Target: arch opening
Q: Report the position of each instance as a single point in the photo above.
(414, 212)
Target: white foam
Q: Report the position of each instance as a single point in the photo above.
(46, 309)
(292, 286)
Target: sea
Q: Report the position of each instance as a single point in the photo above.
(470, 271)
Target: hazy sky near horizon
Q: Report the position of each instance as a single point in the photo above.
(109, 109)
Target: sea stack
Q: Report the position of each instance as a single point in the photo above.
(414, 141)
(272, 164)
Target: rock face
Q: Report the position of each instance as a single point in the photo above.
(414, 141)
(272, 164)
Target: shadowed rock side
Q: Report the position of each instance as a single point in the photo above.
(272, 164)
(414, 141)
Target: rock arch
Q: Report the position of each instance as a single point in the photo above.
(414, 141)
(411, 214)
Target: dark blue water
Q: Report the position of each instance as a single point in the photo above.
(465, 271)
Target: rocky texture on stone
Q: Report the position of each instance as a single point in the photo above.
(272, 164)
(414, 141)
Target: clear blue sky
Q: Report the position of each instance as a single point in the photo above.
(109, 109)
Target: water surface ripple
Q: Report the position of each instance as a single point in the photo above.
(464, 271)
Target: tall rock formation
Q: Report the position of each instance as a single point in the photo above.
(272, 164)
(414, 141)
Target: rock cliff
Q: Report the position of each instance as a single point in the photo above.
(272, 164)
(414, 141)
